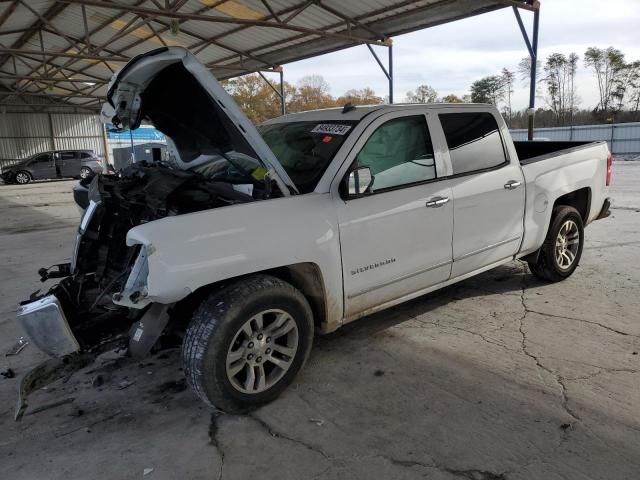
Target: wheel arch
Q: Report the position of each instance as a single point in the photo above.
(306, 277)
(579, 199)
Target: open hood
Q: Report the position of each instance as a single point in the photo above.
(172, 90)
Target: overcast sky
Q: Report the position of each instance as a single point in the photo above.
(450, 57)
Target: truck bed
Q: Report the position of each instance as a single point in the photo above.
(528, 151)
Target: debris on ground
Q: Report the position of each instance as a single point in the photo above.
(47, 372)
(8, 373)
(17, 347)
(51, 405)
(565, 426)
(97, 381)
(125, 384)
(318, 421)
(175, 386)
(147, 471)
(378, 373)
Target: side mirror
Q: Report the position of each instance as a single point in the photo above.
(360, 181)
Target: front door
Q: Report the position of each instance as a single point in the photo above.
(43, 166)
(488, 192)
(69, 162)
(396, 238)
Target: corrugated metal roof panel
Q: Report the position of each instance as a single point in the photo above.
(113, 32)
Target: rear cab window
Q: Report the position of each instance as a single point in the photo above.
(306, 148)
(474, 141)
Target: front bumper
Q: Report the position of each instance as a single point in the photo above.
(47, 326)
(7, 176)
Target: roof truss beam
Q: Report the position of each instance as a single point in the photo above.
(218, 19)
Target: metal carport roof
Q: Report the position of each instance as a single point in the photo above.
(64, 52)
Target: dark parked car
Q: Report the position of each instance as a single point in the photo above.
(55, 164)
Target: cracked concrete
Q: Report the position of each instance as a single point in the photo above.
(500, 377)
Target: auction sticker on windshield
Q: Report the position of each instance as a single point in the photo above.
(331, 128)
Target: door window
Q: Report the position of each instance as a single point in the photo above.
(85, 155)
(474, 141)
(399, 153)
(67, 155)
(44, 158)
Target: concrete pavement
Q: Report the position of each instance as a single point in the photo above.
(498, 377)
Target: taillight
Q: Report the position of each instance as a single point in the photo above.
(609, 168)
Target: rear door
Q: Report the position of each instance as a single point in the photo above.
(69, 163)
(395, 240)
(43, 166)
(488, 191)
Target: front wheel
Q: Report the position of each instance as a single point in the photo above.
(562, 247)
(246, 342)
(22, 178)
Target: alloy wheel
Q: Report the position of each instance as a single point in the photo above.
(22, 178)
(262, 351)
(567, 244)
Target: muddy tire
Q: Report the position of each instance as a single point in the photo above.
(562, 248)
(246, 342)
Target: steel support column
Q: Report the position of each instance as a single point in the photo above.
(280, 93)
(283, 100)
(532, 47)
(388, 71)
(532, 79)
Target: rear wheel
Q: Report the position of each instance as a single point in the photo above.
(561, 251)
(85, 172)
(22, 177)
(246, 342)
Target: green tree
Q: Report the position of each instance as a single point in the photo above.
(488, 90)
(422, 94)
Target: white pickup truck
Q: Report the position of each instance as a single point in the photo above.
(250, 240)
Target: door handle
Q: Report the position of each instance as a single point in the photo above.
(437, 202)
(512, 184)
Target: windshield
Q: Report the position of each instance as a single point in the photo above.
(305, 149)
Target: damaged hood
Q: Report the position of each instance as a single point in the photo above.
(231, 132)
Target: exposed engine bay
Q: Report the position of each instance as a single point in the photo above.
(102, 262)
(211, 164)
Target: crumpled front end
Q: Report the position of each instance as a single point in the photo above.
(102, 293)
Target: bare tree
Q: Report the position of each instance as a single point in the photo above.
(423, 94)
(524, 70)
(609, 67)
(508, 78)
(559, 79)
